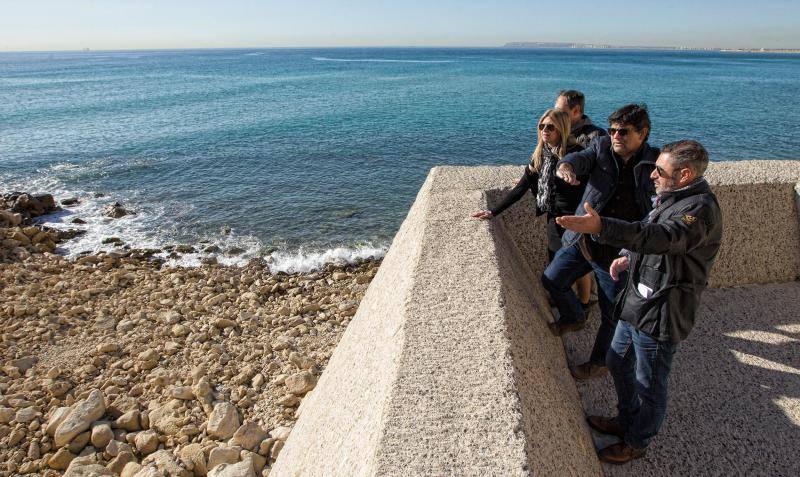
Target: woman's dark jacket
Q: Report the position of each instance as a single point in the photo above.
(597, 161)
(671, 253)
(566, 196)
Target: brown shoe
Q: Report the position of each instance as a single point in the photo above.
(620, 453)
(606, 425)
(585, 371)
(560, 329)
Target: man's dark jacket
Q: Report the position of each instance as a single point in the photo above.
(671, 254)
(584, 131)
(597, 161)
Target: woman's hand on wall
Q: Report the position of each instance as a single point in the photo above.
(483, 215)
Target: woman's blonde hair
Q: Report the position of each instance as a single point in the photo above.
(563, 126)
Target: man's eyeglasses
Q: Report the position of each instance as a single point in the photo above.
(666, 175)
(621, 131)
(547, 127)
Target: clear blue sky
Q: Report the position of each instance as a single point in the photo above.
(140, 24)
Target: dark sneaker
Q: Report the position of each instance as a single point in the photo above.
(585, 371)
(606, 425)
(620, 453)
(560, 329)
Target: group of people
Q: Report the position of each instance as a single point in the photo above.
(645, 223)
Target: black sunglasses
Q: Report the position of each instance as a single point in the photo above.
(547, 127)
(621, 131)
(663, 173)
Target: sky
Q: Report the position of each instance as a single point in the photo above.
(50, 25)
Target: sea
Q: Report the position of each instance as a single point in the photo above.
(306, 156)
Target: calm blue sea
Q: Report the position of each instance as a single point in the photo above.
(304, 155)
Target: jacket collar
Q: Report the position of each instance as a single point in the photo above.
(698, 186)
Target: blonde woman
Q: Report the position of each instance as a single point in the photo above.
(552, 195)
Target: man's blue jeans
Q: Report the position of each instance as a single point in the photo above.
(640, 367)
(568, 265)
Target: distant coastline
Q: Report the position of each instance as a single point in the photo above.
(555, 44)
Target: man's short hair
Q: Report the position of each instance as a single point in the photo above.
(573, 97)
(632, 115)
(687, 153)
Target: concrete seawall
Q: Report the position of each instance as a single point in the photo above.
(448, 367)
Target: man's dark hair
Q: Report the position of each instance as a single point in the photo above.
(573, 97)
(687, 153)
(633, 115)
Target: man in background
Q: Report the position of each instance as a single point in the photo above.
(669, 255)
(573, 102)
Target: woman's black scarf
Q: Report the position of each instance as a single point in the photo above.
(545, 192)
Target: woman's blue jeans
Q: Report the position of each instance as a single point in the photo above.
(640, 367)
(567, 266)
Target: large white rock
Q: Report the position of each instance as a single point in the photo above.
(240, 469)
(80, 418)
(56, 418)
(249, 435)
(223, 421)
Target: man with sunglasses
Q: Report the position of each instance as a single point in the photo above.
(669, 254)
(619, 166)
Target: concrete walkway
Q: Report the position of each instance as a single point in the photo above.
(734, 404)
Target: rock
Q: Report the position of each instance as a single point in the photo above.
(56, 418)
(300, 361)
(202, 391)
(80, 418)
(128, 421)
(115, 448)
(146, 442)
(223, 421)
(339, 276)
(78, 221)
(241, 469)
(101, 435)
(289, 400)
(115, 211)
(122, 405)
(224, 323)
(193, 454)
(223, 455)
(266, 446)
(130, 469)
(79, 442)
(24, 364)
(166, 464)
(70, 201)
(276, 450)
(182, 392)
(7, 414)
(301, 383)
(86, 470)
(105, 348)
(281, 433)
(26, 415)
(249, 435)
(167, 419)
(61, 459)
(119, 462)
(148, 471)
(180, 330)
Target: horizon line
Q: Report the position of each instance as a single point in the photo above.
(584, 46)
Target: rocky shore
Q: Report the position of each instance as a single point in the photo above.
(115, 365)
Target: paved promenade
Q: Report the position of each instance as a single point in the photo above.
(734, 406)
